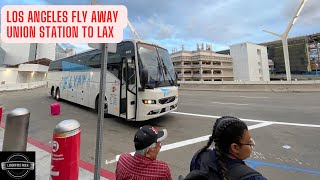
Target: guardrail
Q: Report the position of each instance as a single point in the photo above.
(21, 86)
(286, 86)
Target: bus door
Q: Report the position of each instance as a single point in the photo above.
(128, 89)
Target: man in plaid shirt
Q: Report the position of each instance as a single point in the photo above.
(143, 165)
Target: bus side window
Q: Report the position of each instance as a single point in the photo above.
(131, 71)
(94, 60)
(124, 71)
(55, 65)
(114, 64)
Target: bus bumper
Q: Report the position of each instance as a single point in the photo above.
(157, 112)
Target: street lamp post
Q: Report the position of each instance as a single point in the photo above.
(284, 39)
(133, 30)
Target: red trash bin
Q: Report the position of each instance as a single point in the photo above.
(55, 108)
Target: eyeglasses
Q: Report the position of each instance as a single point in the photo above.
(252, 144)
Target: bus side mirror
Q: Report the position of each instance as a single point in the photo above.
(144, 78)
(177, 79)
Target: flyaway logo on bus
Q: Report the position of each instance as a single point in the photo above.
(165, 91)
(74, 81)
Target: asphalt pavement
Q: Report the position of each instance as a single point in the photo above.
(285, 126)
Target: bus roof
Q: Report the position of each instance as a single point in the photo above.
(125, 40)
(142, 41)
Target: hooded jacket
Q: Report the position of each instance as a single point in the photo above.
(204, 167)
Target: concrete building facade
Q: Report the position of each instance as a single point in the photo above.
(25, 73)
(202, 65)
(250, 62)
(17, 53)
(304, 53)
(62, 53)
(23, 52)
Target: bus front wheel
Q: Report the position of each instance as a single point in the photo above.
(105, 105)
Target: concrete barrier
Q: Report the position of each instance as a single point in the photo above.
(271, 86)
(21, 86)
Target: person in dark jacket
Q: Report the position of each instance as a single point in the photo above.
(232, 144)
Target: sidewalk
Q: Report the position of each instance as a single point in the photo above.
(43, 161)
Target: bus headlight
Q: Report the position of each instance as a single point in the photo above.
(149, 101)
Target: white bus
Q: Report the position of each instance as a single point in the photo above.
(141, 81)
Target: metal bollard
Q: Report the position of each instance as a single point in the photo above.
(16, 130)
(65, 156)
(0, 112)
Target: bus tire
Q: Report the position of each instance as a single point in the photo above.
(97, 104)
(57, 95)
(52, 92)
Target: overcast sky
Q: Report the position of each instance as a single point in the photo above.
(172, 23)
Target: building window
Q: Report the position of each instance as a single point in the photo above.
(216, 71)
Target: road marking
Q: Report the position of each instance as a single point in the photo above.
(229, 103)
(252, 97)
(190, 141)
(260, 125)
(112, 161)
(251, 120)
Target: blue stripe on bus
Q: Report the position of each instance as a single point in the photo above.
(68, 66)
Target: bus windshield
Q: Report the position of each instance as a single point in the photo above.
(157, 61)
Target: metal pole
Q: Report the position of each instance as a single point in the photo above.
(295, 17)
(317, 62)
(102, 101)
(284, 38)
(286, 58)
(133, 30)
(16, 130)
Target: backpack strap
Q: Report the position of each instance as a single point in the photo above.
(239, 171)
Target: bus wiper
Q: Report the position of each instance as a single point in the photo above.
(160, 69)
(157, 82)
(150, 86)
(167, 72)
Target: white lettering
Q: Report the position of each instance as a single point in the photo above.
(53, 173)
